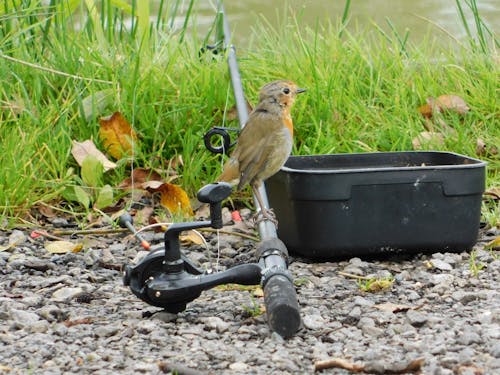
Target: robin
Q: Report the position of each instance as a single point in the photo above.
(265, 142)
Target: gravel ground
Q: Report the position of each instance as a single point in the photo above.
(71, 313)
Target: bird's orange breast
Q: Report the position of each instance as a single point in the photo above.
(289, 124)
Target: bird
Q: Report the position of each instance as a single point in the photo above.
(265, 142)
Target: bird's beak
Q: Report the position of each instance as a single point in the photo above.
(299, 90)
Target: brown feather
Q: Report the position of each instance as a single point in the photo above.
(265, 142)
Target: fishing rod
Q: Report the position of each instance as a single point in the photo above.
(167, 278)
(279, 292)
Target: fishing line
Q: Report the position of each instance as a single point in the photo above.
(228, 91)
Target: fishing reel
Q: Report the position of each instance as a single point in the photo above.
(167, 278)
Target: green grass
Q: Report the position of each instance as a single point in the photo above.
(364, 89)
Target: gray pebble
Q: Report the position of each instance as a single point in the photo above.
(66, 294)
(107, 330)
(23, 318)
(441, 265)
(416, 318)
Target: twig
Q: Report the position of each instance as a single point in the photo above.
(243, 235)
(412, 367)
(61, 232)
(352, 276)
(50, 70)
(48, 235)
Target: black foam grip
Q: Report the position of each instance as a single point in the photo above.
(282, 307)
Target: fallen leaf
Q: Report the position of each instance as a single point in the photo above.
(451, 103)
(192, 237)
(338, 363)
(46, 211)
(117, 135)
(494, 244)
(71, 323)
(16, 238)
(414, 366)
(258, 292)
(81, 150)
(425, 110)
(427, 139)
(484, 149)
(62, 247)
(143, 216)
(174, 198)
(493, 192)
(152, 185)
(176, 162)
(379, 285)
(392, 307)
(138, 177)
(6, 369)
(471, 369)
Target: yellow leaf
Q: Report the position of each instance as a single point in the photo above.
(117, 135)
(174, 198)
(258, 292)
(62, 247)
(193, 237)
(494, 244)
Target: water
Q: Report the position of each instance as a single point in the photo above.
(439, 18)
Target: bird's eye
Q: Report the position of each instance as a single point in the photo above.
(286, 90)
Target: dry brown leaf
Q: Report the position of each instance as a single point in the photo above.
(414, 366)
(338, 363)
(62, 247)
(483, 149)
(174, 198)
(493, 192)
(192, 237)
(176, 162)
(139, 177)
(71, 323)
(143, 216)
(445, 103)
(480, 147)
(468, 369)
(427, 139)
(152, 185)
(46, 211)
(117, 135)
(425, 110)
(392, 307)
(81, 150)
(6, 369)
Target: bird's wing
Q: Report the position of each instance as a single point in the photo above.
(255, 145)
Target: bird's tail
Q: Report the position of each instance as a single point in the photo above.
(230, 172)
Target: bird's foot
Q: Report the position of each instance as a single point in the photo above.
(266, 215)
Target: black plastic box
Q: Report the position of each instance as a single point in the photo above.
(343, 205)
